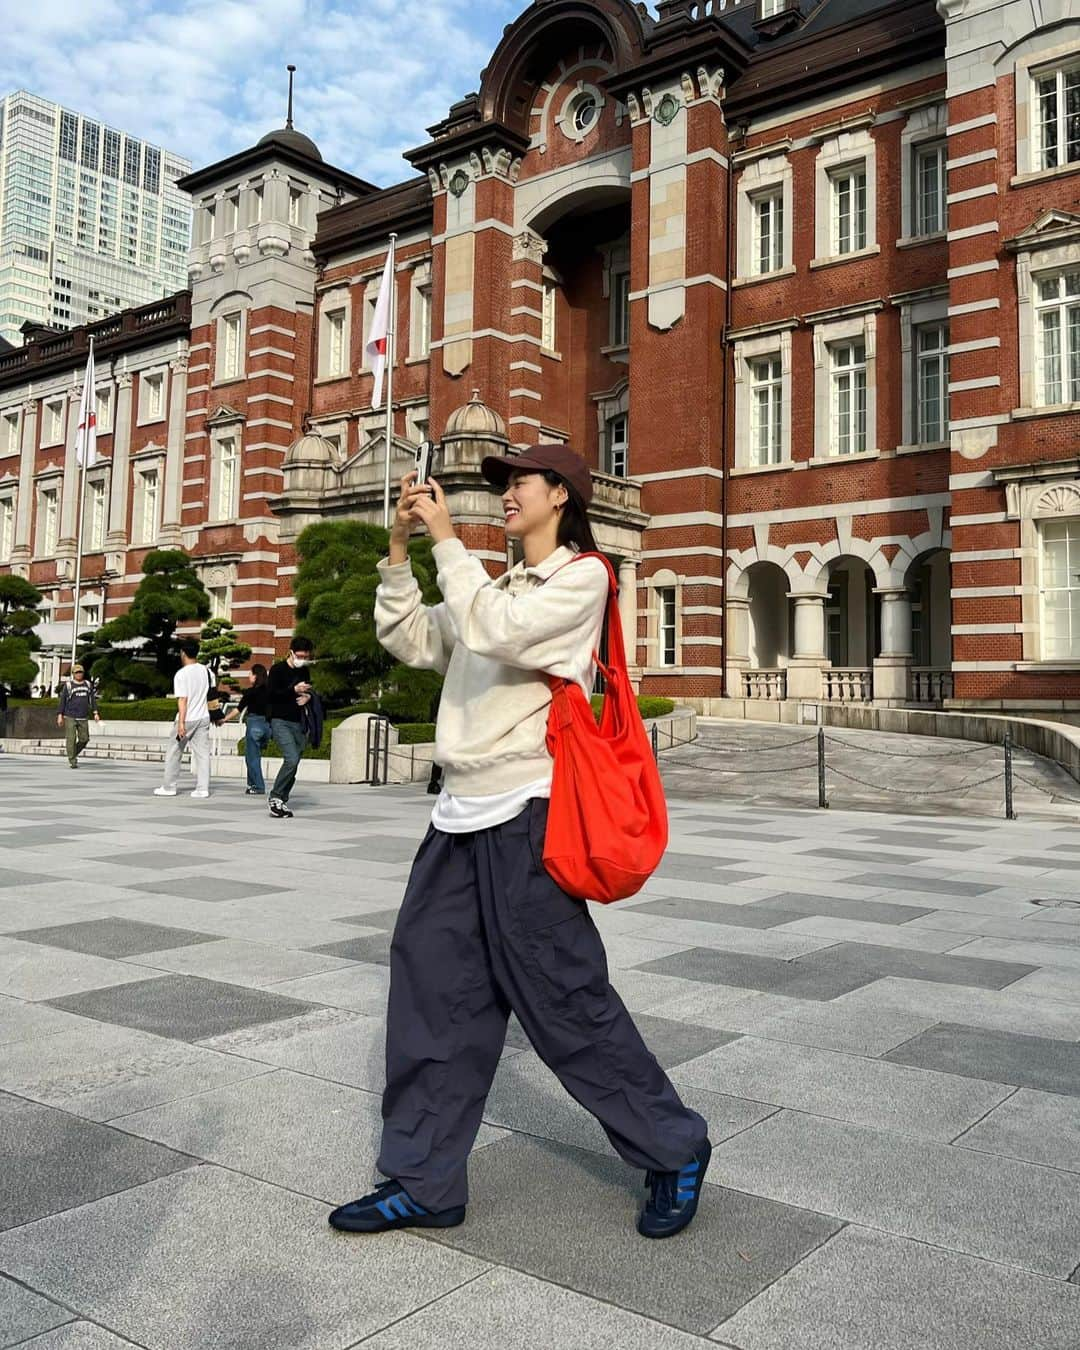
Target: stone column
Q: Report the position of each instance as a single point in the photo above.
(170, 534)
(24, 510)
(118, 487)
(804, 669)
(737, 643)
(628, 608)
(65, 548)
(892, 665)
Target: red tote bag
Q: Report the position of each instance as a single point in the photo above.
(607, 825)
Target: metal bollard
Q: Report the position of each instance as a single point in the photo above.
(655, 742)
(378, 746)
(822, 799)
(1010, 813)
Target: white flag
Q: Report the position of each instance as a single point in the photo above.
(86, 434)
(380, 328)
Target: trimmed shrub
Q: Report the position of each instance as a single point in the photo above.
(648, 707)
(416, 733)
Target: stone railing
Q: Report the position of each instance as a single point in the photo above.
(765, 684)
(931, 684)
(854, 685)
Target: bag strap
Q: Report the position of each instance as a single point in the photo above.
(616, 645)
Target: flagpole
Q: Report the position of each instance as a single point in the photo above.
(391, 327)
(80, 506)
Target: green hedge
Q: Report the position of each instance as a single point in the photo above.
(416, 733)
(648, 707)
(140, 710)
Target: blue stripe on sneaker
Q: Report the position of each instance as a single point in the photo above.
(400, 1204)
(383, 1206)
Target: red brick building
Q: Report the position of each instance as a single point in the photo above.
(801, 278)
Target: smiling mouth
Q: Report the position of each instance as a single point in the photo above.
(512, 512)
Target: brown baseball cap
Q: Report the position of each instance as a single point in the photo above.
(77, 670)
(559, 459)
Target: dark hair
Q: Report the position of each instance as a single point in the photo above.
(190, 648)
(301, 644)
(258, 675)
(574, 527)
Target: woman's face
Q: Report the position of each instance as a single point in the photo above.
(530, 503)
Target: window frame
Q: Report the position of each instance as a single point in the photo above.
(227, 453)
(1059, 71)
(1044, 526)
(1067, 308)
(853, 173)
(773, 195)
(230, 356)
(12, 423)
(940, 355)
(103, 409)
(141, 534)
(147, 414)
(53, 434)
(773, 387)
(917, 223)
(47, 532)
(837, 374)
(666, 596)
(95, 515)
(549, 314)
(7, 525)
(613, 448)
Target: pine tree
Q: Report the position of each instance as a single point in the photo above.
(169, 594)
(19, 615)
(220, 646)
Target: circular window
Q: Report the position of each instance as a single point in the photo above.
(581, 112)
(585, 112)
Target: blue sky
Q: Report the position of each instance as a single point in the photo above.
(206, 78)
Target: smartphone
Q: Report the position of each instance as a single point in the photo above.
(425, 459)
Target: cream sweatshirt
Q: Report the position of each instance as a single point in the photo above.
(496, 641)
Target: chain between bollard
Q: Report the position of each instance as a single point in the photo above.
(1010, 813)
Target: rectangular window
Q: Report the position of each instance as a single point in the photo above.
(91, 133)
(7, 527)
(258, 196)
(548, 335)
(131, 161)
(219, 601)
(147, 515)
(69, 136)
(152, 397)
(767, 411)
(930, 189)
(848, 208)
(89, 617)
(230, 329)
(110, 164)
(228, 478)
(422, 320)
(10, 433)
(94, 509)
(103, 410)
(296, 206)
(620, 309)
(152, 170)
(848, 398)
(1057, 118)
(618, 445)
(54, 422)
(1061, 590)
(335, 342)
(1057, 320)
(772, 7)
(665, 597)
(931, 383)
(48, 521)
(768, 232)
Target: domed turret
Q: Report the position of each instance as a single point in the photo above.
(292, 139)
(474, 418)
(309, 451)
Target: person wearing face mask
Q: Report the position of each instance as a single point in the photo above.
(289, 688)
(484, 929)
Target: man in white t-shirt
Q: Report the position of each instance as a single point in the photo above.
(191, 730)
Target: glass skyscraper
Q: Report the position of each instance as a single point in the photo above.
(91, 220)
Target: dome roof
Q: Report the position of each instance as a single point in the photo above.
(292, 139)
(310, 449)
(475, 418)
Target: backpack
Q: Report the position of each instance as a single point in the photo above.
(217, 701)
(607, 825)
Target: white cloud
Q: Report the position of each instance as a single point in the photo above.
(206, 78)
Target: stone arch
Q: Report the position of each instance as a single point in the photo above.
(236, 299)
(542, 36)
(607, 186)
(867, 550)
(738, 578)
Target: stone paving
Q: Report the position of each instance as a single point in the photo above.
(879, 1015)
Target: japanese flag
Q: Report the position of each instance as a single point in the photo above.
(86, 433)
(378, 338)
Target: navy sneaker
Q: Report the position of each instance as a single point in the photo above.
(391, 1206)
(673, 1196)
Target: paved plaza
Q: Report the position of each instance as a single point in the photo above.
(878, 1014)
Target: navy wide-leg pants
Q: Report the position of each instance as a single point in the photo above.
(484, 930)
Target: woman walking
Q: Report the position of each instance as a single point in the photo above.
(254, 705)
(483, 928)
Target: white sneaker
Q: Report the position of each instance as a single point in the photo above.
(197, 793)
(164, 792)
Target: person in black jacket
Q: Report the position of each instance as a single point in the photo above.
(78, 703)
(255, 706)
(289, 686)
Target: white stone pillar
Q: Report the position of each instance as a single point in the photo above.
(892, 665)
(118, 493)
(808, 660)
(737, 643)
(170, 534)
(65, 548)
(628, 608)
(24, 509)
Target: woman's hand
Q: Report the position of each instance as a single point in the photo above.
(433, 513)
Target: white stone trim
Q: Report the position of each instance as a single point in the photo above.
(747, 351)
(757, 178)
(837, 152)
(855, 327)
